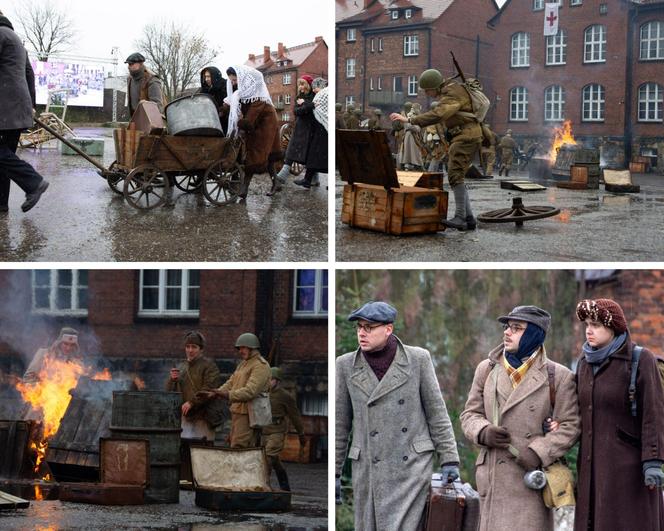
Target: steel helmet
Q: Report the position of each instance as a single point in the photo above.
(247, 340)
(277, 373)
(431, 79)
(408, 106)
(350, 107)
(338, 106)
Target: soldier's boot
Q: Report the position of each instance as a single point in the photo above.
(471, 221)
(507, 172)
(282, 477)
(283, 174)
(458, 222)
(500, 171)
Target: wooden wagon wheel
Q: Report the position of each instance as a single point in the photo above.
(146, 187)
(222, 182)
(115, 177)
(285, 134)
(518, 213)
(188, 183)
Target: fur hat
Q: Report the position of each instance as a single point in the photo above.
(604, 311)
(194, 337)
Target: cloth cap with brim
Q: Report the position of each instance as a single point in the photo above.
(374, 312)
(135, 58)
(528, 314)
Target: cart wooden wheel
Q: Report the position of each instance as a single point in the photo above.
(518, 213)
(146, 187)
(188, 183)
(222, 182)
(115, 177)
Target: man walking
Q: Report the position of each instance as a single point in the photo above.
(388, 395)
(509, 415)
(142, 84)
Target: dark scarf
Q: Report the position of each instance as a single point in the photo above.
(380, 360)
(532, 339)
(309, 96)
(218, 88)
(596, 356)
(4, 21)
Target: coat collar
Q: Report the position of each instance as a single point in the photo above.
(365, 379)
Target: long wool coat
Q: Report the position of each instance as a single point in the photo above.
(259, 120)
(298, 145)
(505, 501)
(611, 491)
(398, 423)
(17, 83)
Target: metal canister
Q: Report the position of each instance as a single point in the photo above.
(194, 115)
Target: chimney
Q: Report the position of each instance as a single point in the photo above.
(318, 39)
(252, 57)
(281, 49)
(266, 54)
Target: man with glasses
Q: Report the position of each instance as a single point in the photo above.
(522, 411)
(388, 395)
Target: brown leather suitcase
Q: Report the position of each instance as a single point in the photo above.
(148, 119)
(452, 507)
(102, 493)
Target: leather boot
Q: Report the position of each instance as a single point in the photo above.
(282, 477)
(283, 174)
(459, 220)
(507, 172)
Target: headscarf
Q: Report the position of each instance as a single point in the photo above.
(218, 88)
(318, 83)
(250, 87)
(320, 107)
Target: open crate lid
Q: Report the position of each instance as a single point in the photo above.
(365, 157)
(231, 469)
(124, 461)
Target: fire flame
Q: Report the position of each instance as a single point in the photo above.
(561, 135)
(103, 375)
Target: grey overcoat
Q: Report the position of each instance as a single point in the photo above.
(17, 83)
(397, 424)
(506, 503)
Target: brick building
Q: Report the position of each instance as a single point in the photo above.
(283, 67)
(603, 71)
(383, 46)
(134, 321)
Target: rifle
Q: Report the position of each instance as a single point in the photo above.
(458, 68)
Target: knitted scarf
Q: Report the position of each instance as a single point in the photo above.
(250, 87)
(596, 356)
(320, 107)
(532, 338)
(380, 360)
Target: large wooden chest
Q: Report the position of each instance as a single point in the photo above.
(377, 197)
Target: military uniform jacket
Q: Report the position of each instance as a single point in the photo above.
(251, 378)
(283, 408)
(200, 374)
(398, 423)
(507, 144)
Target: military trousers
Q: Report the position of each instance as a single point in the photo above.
(488, 160)
(242, 435)
(460, 155)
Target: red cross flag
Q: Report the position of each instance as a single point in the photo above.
(550, 19)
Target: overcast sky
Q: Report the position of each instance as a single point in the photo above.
(235, 28)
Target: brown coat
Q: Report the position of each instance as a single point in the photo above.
(201, 374)
(259, 120)
(611, 491)
(283, 408)
(251, 378)
(506, 504)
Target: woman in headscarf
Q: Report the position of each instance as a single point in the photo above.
(250, 110)
(304, 118)
(621, 454)
(316, 160)
(213, 83)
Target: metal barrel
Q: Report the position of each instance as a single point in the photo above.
(155, 416)
(194, 115)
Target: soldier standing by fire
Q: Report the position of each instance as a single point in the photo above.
(455, 111)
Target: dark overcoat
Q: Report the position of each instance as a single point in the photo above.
(317, 152)
(298, 145)
(259, 121)
(17, 83)
(611, 490)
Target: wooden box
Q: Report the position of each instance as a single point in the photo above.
(126, 145)
(102, 493)
(148, 119)
(291, 451)
(637, 167)
(579, 174)
(234, 479)
(374, 197)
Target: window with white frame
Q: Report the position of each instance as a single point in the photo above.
(371, 84)
(538, 5)
(350, 100)
(412, 85)
(394, 14)
(408, 13)
(285, 117)
(310, 293)
(380, 83)
(411, 45)
(60, 291)
(520, 50)
(519, 104)
(593, 103)
(280, 99)
(575, 2)
(380, 44)
(169, 293)
(554, 103)
(556, 48)
(650, 102)
(397, 84)
(652, 41)
(594, 44)
(350, 35)
(350, 68)
(372, 43)
(313, 404)
(287, 78)
(287, 99)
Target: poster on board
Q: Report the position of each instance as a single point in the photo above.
(83, 82)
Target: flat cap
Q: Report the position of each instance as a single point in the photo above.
(135, 58)
(528, 314)
(375, 312)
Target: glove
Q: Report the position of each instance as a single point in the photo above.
(450, 472)
(337, 490)
(653, 474)
(495, 437)
(528, 459)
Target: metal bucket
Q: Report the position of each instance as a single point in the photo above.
(194, 115)
(153, 415)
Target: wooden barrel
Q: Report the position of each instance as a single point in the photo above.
(153, 415)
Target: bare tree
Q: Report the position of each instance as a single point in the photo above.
(176, 53)
(45, 27)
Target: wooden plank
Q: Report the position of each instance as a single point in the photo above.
(8, 501)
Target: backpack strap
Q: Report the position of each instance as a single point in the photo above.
(636, 355)
(551, 373)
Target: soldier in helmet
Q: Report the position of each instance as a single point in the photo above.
(374, 121)
(339, 116)
(350, 119)
(250, 379)
(283, 408)
(488, 150)
(455, 111)
(506, 145)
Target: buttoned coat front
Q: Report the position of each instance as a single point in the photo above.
(397, 423)
(506, 504)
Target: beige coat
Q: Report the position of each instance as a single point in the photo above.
(397, 423)
(251, 378)
(505, 502)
